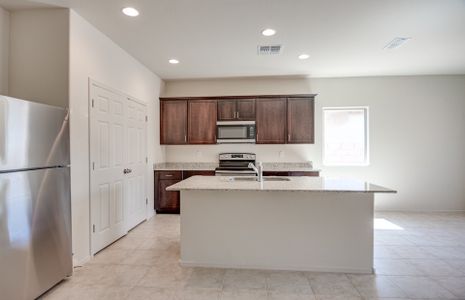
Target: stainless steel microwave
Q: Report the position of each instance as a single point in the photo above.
(235, 132)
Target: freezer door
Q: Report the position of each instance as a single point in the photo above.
(35, 231)
(32, 135)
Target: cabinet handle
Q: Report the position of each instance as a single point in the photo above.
(169, 175)
(238, 115)
(288, 137)
(185, 138)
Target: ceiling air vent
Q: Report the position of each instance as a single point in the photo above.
(397, 42)
(269, 49)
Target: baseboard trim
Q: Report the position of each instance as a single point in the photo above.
(418, 211)
(277, 268)
(81, 262)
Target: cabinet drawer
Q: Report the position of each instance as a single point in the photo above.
(312, 173)
(169, 175)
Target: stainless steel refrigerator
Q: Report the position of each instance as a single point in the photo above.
(35, 206)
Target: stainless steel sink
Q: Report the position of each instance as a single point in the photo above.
(265, 178)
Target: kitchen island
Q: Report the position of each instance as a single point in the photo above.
(283, 223)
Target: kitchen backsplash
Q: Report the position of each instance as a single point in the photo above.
(265, 153)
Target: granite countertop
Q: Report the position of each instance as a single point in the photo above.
(267, 166)
(309, 184)
(188, 166)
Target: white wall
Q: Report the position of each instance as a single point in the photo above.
(93, 55)
(4, 49)
(39, 55)
(417, 133)
(237, 86)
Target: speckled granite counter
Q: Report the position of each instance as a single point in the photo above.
(267, 166)
(288, 167)
(187, 166)
(290, 184)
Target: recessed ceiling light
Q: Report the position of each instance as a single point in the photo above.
(173, 61)
(304, 56)
(268, 32)
(130, 11)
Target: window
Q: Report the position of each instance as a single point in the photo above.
(345, 134)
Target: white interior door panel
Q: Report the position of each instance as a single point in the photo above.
(118, 163)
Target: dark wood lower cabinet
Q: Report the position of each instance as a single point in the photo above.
(187, 174)
(291, 173)
(165, 201)
(169, 202)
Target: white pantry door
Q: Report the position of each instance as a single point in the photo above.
(117, 175)
(136, 163)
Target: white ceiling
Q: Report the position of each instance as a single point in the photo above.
(219, 38)
(13, 5)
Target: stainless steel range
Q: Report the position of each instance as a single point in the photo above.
(235, 164)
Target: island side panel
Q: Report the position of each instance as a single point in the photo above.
(311, 231)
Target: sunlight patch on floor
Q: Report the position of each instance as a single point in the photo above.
(383, 224)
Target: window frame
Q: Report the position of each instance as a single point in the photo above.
(366, 111)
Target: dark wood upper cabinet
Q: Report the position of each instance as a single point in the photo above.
(271, 121)
(300, 121)
(236, 110)
(245, 110)
(227, 110)
(280, 119)
(202, 121)
(173, 122)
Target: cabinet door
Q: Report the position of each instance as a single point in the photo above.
(167, 201)
(245, 110)
(305, 173)
(202, 122)
(173, 122)
(275, 173)
(187, 174)
(271, 121)
(226, 110)
(300, 124)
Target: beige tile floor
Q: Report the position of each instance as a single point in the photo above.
(417, 256)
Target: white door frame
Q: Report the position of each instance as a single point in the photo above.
(91, 85)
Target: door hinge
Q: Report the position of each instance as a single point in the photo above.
(147, 201)
(93, 165)
(146, 160)
(92, 102)
(93, 228)
(146, 118)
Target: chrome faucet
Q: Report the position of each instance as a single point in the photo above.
(258, 170)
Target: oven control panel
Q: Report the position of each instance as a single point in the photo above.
(237, 156)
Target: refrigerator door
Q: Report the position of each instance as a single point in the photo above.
(35, 231)
(32, 135)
